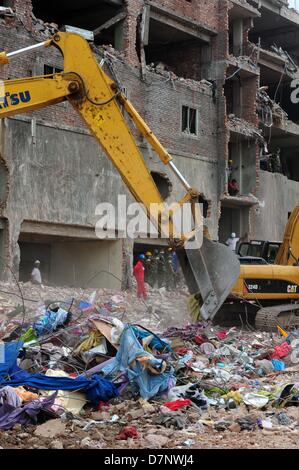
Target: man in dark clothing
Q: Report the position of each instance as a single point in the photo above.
(161, 269)
(148, 265)
(170, 274)
(233, 188)
(155, 268)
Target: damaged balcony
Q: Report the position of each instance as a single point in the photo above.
(283, 146)
(278, 25)
(240, 21)
(241, 165)
(182, 46)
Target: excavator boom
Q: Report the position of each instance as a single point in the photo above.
(288, 253)
(210, 268)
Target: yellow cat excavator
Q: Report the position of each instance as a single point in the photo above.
(212, 270)
(99, 101)
(269, 294)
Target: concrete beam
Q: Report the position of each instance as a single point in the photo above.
(280, 8)
(190, 30)
(164, 13)
(116, 19)
(115, 2)
(239, 202)
(58, 230)
(273, 62)
(243, 9)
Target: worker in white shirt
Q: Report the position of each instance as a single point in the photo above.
(232, 242)
(36, 277)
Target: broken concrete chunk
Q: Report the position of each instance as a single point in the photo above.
(156, 440)
(50, 428)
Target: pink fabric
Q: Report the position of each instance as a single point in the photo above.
(281, 351)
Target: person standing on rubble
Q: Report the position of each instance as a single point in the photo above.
(36, 277)
(139, 275)
(232, 242)
(170, 274)
(148, 275)
(155, 268)
(162, 269)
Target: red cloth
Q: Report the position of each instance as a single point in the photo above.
(281, 351)
(102, 405)
(221, 335)
(139, 275)
(177, 404)
(128, 431)
(139, 270)
(181, 351)
(199, 339)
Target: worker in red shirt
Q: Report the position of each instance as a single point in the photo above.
(139, 275)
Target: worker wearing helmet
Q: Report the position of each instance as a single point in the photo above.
(232, 241)
(154, 267)
(148, 265)
(139, 275)
(36, 277)
(162, 269)
(170, 283)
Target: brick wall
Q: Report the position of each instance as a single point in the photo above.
(183, 59)
(203, 11)
(133, 9)
(249, 90)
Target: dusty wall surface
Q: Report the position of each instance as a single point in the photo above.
(277, 196)
(82, 263)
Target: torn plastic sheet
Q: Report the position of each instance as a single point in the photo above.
(255, 400)
(140, 365)
(27, 414)
(96, 388)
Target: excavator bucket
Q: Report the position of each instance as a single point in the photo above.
(210, 270)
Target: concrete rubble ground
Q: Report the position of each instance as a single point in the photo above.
(173, 384)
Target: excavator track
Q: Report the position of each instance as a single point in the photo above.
(286, 316)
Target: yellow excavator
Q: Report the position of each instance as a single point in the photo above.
(268, 294)
(99, 101)
(212, 271)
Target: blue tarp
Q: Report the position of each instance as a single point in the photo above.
(149, 384)
(156, 343)
(96, 388)
(50, 321)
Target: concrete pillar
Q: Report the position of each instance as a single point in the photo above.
(238, 37)
(119, 36)
(238, 99)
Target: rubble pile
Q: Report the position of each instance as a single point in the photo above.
(162, 69)
(102, 369)
(249, 130)
(44, 29)
(268, 110)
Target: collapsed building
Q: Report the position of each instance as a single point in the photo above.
(214, 82)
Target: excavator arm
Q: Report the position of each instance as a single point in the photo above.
(210, 269)
(288, 253)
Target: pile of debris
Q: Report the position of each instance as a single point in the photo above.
(246, 128)
(44, 29)
(77, 372)
(268, 110)
(162, 69)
